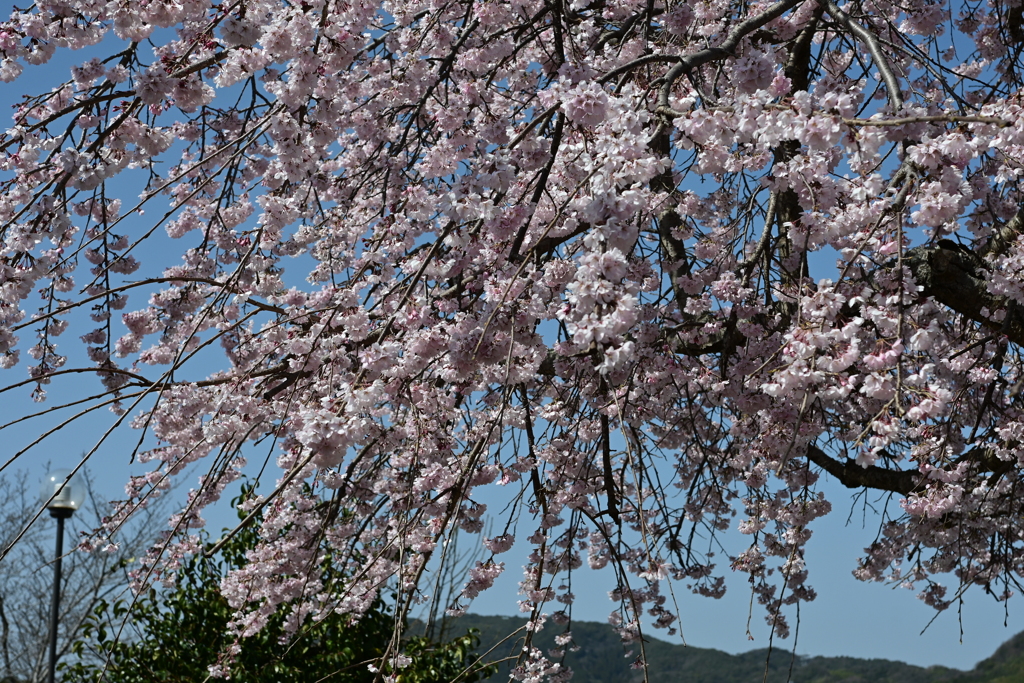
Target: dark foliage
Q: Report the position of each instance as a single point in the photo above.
(176, 635)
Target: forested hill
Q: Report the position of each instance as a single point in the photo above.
(601, 658)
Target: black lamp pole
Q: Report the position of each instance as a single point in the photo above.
(60, 514)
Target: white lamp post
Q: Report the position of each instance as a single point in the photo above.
(62, 495)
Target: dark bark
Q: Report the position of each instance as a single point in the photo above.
(956, 277)
(852, 475)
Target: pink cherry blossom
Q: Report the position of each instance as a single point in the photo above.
(650, 271)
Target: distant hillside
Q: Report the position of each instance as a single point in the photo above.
(1006, 665)
(601, 658)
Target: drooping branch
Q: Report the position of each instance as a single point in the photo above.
(668, 293)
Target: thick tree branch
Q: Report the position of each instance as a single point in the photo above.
(892, 85)
(721, 51)
(852, 475)
(1004, 236)
(944, 118)
(542, 182)
(672, 248)
(954, 276)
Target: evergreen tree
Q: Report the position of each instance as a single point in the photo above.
(183, 633)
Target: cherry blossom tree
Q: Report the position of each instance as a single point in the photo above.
(662, 267)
